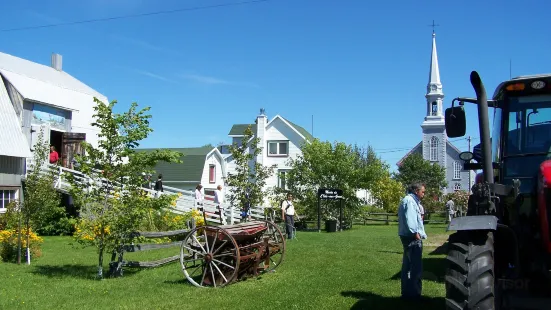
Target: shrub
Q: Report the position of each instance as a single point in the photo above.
(8, 242)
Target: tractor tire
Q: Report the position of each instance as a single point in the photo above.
(470, 271)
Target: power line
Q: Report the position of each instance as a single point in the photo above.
(136, 15)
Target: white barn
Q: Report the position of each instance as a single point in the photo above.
(35, 97)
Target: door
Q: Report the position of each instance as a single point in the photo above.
(36, 131)
(72, 145)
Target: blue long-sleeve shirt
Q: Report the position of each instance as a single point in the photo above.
(409, 217)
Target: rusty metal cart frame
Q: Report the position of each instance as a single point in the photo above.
(214, 256)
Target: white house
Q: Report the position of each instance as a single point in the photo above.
(200, 165)
(35, 97)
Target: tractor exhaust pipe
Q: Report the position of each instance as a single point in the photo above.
(484, 127)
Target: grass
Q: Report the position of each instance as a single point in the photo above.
(354, 269)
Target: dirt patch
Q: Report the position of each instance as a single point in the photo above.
(436, 240)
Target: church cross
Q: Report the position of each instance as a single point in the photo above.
(433, 25)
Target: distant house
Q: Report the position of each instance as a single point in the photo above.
(280, 139)
(200, 165)
(35, 97)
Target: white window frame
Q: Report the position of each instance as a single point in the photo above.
(279, 180)
(434, 142)
(3, 190)
(457, 186)
(457, 167)
(278, 143)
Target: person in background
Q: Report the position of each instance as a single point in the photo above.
(199, 196)
(450, 206)
(288, 213)
(159, 185)
(219, 200)
(412, 232)
(54, 156)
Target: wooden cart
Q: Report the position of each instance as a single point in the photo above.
(214, 256)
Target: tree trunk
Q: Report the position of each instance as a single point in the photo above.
(19, 241)
(28, 243)
(100, 259)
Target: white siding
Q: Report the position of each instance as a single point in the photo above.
(212, 159)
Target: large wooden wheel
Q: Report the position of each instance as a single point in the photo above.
(209, 256)
(276, 246)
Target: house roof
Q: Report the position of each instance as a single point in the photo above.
(191, 168)
(44, 84)
(12, 141)
(302, 131)
(239, 129)
(419, 145)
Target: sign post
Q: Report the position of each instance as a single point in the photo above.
(329, 194)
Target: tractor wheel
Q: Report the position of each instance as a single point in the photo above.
(470, 271)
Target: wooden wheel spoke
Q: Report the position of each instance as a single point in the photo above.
(206, 240)
(194, 271)
(212, 274)
(220, 247)
(222, 263)
(204, 274)
(194, 251)
(222, 274)
(199, 243)
(214, 241)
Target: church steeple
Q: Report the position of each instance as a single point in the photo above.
(434, 95)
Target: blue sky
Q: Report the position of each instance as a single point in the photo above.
(359, 67)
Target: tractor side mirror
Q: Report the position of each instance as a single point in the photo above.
(456, 124)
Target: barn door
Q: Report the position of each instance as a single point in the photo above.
(71, 144)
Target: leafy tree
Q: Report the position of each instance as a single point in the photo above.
(416, 169)
(387, 193)
(332, 165)
(41, 199)
(109, 194)
(250, 175)
(460, 199)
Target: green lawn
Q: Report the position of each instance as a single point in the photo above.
(355, 269)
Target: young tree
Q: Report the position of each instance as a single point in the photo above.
(109, 192)
(40, 198)
(387, 193)
(416, 169)
(248, 182)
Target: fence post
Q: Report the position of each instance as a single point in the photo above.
(231, 215)
(387, 219)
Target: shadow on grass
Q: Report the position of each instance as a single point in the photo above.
(75, 271)
(441, 250)
(370, 301)
(434, 269)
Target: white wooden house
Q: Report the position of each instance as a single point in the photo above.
(35, 97)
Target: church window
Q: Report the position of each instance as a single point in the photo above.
(457, 187)
(457, 170)
(434, 111)
(433, 149)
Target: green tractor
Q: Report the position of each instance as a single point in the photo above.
(499, 255)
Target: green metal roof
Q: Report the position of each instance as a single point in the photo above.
(191, 168)
(239, 129)
(302, 131)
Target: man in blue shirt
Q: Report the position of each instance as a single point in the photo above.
(412, 232)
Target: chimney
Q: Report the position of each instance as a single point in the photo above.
(56, 61)
(261, 121)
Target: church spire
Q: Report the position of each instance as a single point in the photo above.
(434, 75)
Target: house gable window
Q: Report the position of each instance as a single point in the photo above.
(457, 170)
(212, 174)
(278, 148)
(433, 149)
(7, 195)
(281, 179)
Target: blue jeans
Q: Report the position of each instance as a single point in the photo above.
(289, 225)
(412, 267)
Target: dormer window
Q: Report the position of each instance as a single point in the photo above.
(434, 109)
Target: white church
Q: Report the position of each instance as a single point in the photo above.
(435, 145)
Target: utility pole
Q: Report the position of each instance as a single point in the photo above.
(470, 172)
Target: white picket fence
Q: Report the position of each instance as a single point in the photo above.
(184, 203)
